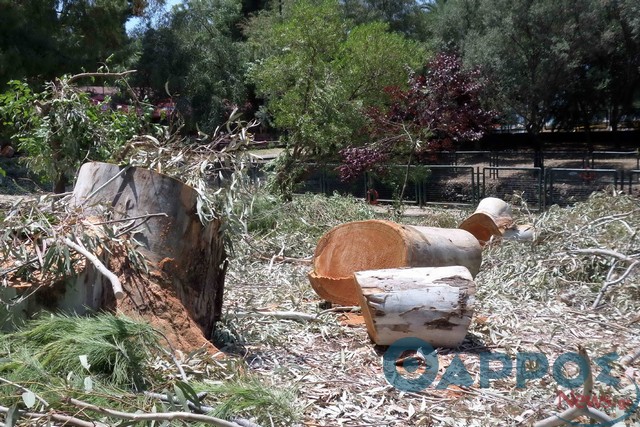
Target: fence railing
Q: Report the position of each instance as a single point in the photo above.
(503, 182)
(565, 185)
(472, 175)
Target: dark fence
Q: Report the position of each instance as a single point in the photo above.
(504, 182)
(464, 177)
(633, 179)
(565, 186)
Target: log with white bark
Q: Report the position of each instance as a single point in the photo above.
(434, 304)
(493, 219)
(377, 244)
(490, 219)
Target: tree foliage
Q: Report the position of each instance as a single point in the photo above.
(567, 61)
(42, 39)
(59, 127)
(441, 108)
(195, 58)
(318, 72)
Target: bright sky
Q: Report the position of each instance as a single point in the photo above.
(131, 23)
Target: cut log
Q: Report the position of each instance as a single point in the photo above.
(377, 244)
(187, 261)
(491, 218)
(433, 304)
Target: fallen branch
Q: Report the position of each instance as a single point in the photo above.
(66, 420)
(603, 252)
(129, 218)
(6, 381)
(116, 75)
(281, 315)
(115, 282)
(630, 358)
(201, 409)
(608, 282)
(280, 258)
(159, 416)
(570, 414)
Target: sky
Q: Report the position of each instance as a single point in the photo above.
(131, 23)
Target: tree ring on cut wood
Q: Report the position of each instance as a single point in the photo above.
(378, 244)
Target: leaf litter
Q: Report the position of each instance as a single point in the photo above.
(532, 297)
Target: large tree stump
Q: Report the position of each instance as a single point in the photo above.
(433, 304)
(377, 244)
(187, 261)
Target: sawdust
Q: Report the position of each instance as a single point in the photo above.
(154, 298)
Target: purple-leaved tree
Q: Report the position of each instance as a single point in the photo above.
(440, 109)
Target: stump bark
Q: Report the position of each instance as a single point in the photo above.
(433, 304)
(378, 244)
(183, 292)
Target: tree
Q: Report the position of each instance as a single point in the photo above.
(194, 57)
(408, 17)
(317, 72)
(41, 39)
(561, 61)
(59, 127)
(440, 109)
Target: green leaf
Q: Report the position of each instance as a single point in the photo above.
(12, 416)
(189, 392)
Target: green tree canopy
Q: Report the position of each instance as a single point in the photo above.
(41, 39)
(318, 72)
(567, 61)
(195, 58)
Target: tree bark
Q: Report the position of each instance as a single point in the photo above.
(187, 260)
(433, 304)
(377, 244)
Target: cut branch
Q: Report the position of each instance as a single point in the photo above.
(109, 75)
(64, 419)
(570, 414)
(115, 282)
(163, 416)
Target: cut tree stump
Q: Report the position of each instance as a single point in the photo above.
(378, 244)
(182, 294)
(434, 304)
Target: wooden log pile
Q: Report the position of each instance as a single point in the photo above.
(411, 281)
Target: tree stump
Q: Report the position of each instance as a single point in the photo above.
(433, 304)
(183, 292)
(377, 244)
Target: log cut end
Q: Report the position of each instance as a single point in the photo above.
(434, 304)
(350, 247)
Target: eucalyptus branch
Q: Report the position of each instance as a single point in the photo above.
(109, 75)
(570, 414)
(160, 416)
(52, 416)
(6, 381)
(115, 282)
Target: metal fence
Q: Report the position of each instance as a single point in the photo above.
(633, 179)
(565, 186)
(466, 176)
(504, 182)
